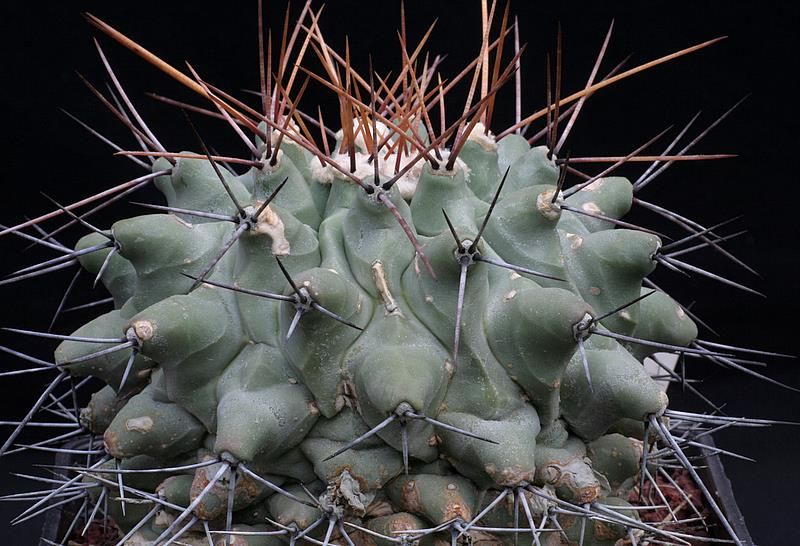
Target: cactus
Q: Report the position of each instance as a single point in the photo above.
(401, 331)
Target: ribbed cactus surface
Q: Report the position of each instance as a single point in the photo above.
(402, 331)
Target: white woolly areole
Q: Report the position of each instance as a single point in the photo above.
(326, 174)
(292, 134)
(406, 184)
(459, 165)
(547, 206)
(323, 174)
(361, 143)
(483, 137)
(268, 167)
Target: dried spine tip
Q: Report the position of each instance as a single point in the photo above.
(379, 276)
(269, 223)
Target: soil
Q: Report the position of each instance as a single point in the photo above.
(95, 535)
(680, 507)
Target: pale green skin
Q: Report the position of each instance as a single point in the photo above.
(227, 381)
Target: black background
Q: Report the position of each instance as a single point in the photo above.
(41, 149)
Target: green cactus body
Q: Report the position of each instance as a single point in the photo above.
(304, 367)
(227, 369)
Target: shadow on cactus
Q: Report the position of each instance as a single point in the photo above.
(409, 330)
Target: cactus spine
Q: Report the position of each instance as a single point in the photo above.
(392, 333)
